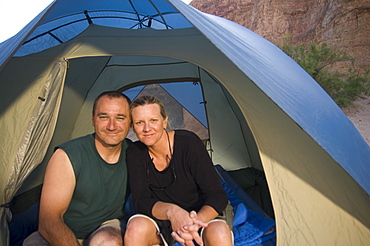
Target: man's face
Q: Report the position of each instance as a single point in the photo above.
(111, 121)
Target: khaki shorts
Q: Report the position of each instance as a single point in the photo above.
(36, 238)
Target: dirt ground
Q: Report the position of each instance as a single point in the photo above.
(359, 114)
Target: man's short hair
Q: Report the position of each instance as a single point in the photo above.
(110, 94)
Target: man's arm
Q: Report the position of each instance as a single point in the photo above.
(59, 184)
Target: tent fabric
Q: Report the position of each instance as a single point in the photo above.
(284, 85)
(262, 109)
(33, 144)
(67, 19)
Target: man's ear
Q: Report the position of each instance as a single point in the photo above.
(92, 119)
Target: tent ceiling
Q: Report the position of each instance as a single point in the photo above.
(69, 18)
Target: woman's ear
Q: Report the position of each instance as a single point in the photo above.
(165, 123)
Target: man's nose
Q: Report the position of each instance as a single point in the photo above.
(111, 124)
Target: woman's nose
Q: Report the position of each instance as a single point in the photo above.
(146, 127)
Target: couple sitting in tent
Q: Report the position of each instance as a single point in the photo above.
(175, 188)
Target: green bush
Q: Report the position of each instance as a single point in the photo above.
(316, 59)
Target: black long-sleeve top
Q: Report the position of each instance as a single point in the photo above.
(190, 181)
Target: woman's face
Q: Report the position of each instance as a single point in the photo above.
(148, 123)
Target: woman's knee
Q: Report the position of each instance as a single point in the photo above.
(218, 226)
(141, 230)
(139, 227)
(217, 231)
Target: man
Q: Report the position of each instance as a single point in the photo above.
(85, 183)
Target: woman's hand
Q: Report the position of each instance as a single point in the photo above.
(190, 232)
(185, 225)
(196, 222)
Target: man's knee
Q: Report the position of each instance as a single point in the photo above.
(108, 236)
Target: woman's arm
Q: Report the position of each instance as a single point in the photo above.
(206, 177)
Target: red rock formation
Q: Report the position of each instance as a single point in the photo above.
(343, 24)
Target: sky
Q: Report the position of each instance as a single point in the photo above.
(15, 14)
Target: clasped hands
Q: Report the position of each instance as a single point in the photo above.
(189, 232)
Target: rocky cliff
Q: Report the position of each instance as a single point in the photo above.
(343, 24)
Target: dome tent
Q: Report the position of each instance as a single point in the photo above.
(263, 110)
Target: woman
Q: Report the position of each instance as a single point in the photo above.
(175, 188)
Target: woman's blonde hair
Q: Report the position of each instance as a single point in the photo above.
(149, 99)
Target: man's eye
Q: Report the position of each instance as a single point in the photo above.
(138, 123)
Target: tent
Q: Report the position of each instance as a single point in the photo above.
(262, 109)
